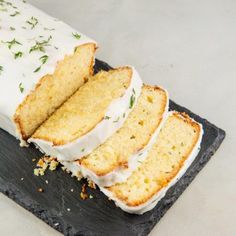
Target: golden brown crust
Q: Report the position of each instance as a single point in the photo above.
(161, 184)
(17, 116)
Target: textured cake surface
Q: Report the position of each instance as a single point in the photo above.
(50, 60)
(86, 108)
(133, 136)
(177, 139)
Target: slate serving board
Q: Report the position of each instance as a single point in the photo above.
(65, 211)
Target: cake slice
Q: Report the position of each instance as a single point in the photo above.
(115, 160)
(43, 62)
(172, 153)
(90, 116)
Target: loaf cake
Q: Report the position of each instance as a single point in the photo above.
(90, 116)
(43, 62)
(173, 152)
(115, 160)
(108, 127)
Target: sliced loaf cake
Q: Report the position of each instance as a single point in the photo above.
(173, 152)
(90, 116)
(115, 160)
(43, 62)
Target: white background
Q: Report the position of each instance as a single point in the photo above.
(189, 47)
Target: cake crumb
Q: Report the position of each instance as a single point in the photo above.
(46, 181)
(43, 163)
(53, 165)
(34, 159)
(83, 193)
(90, 196)
(56, 224)
(72, 190)
(68, 209)
(91, 184)
(22, 179)
(40, 190)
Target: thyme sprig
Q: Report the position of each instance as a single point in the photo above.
(40, 46)
(11, 43)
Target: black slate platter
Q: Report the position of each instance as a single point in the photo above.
(65, 211)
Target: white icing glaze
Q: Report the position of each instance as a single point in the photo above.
(16, 71)
(151, 203)
(87, 143)
(120, 174)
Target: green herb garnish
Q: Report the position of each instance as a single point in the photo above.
(10, 44)
(1, 69)
(107, 117)
(32, 21)
(76, 35)
(18, 54)
(21, 87)
(131, 102)
(12, 28)
(40, 46)
(15, 14)
(83, 149)
(43, 60)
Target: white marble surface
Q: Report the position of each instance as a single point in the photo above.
(189, 47)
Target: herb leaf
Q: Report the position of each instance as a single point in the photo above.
(76, 35)
(37, 69)
(15, 14)
(1, 69)
(107, 117)
(40, 46)
(12, 43)
(43, 60)
(131, 102)
(12, 28)
(21, 87)
(18, 54)
(32, 21)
